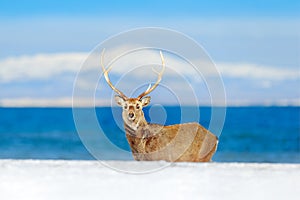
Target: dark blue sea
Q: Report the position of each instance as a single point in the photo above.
(250, 134)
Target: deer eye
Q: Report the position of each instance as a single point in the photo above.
(125, 106)
(137, 106)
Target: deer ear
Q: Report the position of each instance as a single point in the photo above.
(119, 100)
(145, 101)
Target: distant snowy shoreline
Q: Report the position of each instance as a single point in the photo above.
(59, 179)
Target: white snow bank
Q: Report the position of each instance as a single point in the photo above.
(36, 179)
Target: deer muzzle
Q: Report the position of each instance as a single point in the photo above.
(131, 115)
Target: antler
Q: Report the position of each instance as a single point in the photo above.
(150, 89)
(105, 73)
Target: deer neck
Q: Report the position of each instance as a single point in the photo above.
(132, 127)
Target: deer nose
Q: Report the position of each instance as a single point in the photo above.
(131, 115)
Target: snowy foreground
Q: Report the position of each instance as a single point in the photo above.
(36, 179)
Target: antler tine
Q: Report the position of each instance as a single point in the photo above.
(105, 73)
(151, 88)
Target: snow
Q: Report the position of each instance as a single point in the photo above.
(47, 179)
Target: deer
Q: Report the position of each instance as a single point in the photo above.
(187, 142)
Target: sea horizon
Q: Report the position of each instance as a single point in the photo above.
(164, 105)
(250, 133)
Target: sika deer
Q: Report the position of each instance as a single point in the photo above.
(188, 142)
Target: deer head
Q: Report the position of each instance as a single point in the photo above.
(133, 114)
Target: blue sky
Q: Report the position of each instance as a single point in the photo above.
(264, 35)
(153, 8)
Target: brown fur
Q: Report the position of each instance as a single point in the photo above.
(177, 143)
(189, 142)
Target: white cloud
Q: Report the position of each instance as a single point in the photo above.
(46, 66)
(15, 70)
(40, 66)
(254, 71)
(55, 102)
(87, 102)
